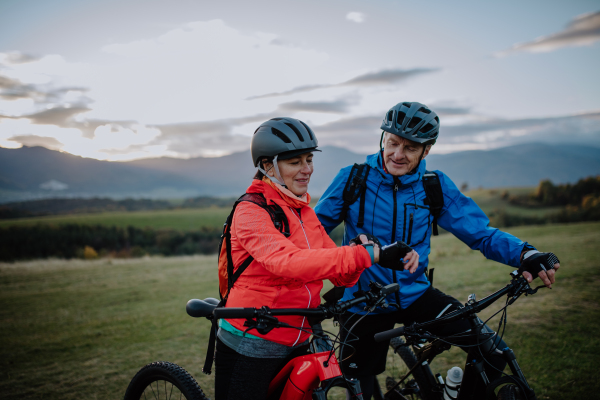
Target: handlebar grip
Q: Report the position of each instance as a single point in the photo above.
(391, 288)
(387, 335)
(234, 312)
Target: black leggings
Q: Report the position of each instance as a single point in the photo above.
(241, 377)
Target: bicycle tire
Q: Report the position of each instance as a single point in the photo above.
(162, 377)
(505, 388)
(410, 360)
(510, 392)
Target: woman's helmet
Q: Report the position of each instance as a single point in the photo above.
(412, 121)
(281, 138)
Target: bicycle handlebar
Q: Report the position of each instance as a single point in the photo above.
(376, 295)
(208, 307)
(517, 286)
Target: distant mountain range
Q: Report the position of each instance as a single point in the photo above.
(36, 172)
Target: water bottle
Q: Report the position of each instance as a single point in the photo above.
(453, 380)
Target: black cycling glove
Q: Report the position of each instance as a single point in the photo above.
(390, 256)
(534, 262)
(370, 237)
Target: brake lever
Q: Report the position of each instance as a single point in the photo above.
(534, 291)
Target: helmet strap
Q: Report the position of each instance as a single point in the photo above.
(277, 178)
(381, 140)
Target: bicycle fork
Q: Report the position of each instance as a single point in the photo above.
(489, 347)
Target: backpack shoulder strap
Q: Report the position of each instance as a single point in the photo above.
(435, 196)
(356, 186)
(281, 223)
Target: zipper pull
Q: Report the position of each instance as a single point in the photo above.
(395, 187)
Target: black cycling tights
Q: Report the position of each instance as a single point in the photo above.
(240, 377)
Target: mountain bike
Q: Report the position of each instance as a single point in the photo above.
(310, 376)
(425, 347)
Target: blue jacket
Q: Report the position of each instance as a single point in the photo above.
(402, 215)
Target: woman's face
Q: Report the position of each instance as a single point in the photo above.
(295, 172)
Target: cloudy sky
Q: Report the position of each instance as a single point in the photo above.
(127, 79)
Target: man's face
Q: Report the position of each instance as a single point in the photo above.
(401, 155)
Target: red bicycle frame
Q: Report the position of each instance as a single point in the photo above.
(303, 375)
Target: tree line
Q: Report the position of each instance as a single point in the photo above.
(87, 241)
(36, 208)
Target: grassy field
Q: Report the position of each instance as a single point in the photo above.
(491, 199)
(81, 329)
(195, 218)
(181, 219)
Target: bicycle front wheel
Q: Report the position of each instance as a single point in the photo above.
(163, 380)
(421, 383)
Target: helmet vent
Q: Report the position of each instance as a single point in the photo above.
(296, 131)
(307, 130)
(280, 135)
(413, 122)
(425, 110)
(437, 120)
(390, 115)
(427, 128)
(401, 116)
(275, 119)
(407, 104)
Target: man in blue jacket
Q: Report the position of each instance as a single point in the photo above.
(394, 209)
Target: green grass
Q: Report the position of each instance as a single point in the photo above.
(491, 199)
(82, 329)
(181, 219)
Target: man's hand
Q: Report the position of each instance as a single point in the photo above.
(544, 265)
(391, 256)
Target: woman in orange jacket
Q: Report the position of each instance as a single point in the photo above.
(286, 272)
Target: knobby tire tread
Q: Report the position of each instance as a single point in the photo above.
(409, 358)
(164, 371)
(509, 392)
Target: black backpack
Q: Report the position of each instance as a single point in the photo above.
(356, 186)
(227, 277)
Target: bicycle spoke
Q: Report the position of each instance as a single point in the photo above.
(151, 388)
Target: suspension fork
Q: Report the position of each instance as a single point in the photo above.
(511, 360)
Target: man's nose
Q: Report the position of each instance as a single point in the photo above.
(399, 153)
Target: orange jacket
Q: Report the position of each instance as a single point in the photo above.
(286, 272)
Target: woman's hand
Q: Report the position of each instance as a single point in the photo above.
(364, 240)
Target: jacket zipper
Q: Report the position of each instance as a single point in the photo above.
(395, 278)
(306, 287)
(410, 225)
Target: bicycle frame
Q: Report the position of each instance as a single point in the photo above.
(426, 353)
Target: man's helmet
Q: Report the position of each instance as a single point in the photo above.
(283, 138)
(412, 121)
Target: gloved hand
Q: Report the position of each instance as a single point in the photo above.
(390, 257)
(369, 237)
(540, 264)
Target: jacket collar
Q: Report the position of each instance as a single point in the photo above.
(375, 161)
(258, 186)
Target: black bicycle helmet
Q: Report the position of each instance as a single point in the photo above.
(283, 138)
(413, 121)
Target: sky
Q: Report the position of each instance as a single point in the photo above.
(129, 79)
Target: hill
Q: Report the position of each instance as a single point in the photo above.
(36, 172)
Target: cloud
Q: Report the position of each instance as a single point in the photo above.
(362, 133)
(337, 106)
(34, 140)
(583, 30)
(582, 128)
(383, 77)
(17, 57)
(357, 17)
